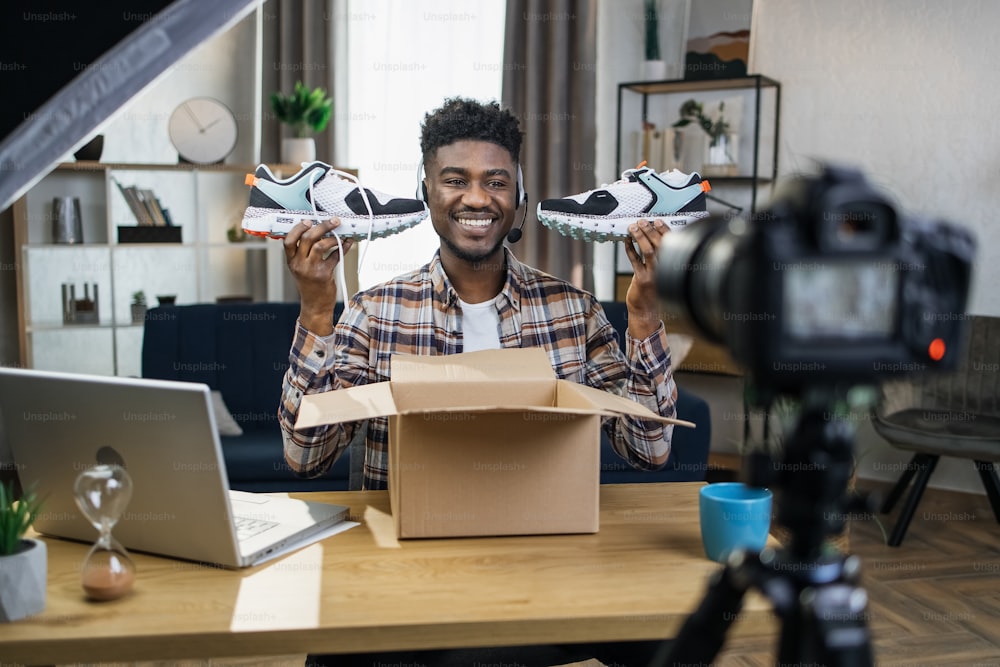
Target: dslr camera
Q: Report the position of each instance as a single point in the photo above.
(829, 286)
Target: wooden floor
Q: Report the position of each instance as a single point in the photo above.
(934, 600)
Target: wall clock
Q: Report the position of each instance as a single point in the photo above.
(203, 130)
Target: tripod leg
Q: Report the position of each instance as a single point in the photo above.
(704, 632)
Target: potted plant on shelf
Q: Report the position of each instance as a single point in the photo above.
(138, 307)
(654, 68)
(306, 111)
(23, 562)
(720, 153)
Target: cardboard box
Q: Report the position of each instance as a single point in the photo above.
(484, 443)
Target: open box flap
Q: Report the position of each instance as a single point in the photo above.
(345, 405)
(513, 408)
(529, 363)
(617, 405)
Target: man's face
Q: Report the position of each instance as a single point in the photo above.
(471, 186)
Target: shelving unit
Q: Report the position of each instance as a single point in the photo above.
(755, 87)
(643, 103)
(204, 201)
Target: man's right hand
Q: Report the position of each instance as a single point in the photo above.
(313, 259)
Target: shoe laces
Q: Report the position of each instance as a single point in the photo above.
(314, 176)
(627, 175)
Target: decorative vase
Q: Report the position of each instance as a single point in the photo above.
(654, 70)
(296, 150)
(721, 156)
(67, 222)
(91, 150)
(23, 577)
(138, 313)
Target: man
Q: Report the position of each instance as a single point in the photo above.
(473, 294)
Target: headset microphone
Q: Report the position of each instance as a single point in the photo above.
(514, 235)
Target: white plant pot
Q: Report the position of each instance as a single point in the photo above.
(654, 70)
(296, 151)
(138, 313)
(23, 577)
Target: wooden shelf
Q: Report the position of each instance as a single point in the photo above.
(91, 165)
(684, 86)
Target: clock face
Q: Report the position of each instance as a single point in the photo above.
(203, 130)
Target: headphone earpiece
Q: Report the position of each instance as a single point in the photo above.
(520, 196)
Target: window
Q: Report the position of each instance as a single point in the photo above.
(396, 61)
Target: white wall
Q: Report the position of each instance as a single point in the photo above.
(221, 67)
(904, 89)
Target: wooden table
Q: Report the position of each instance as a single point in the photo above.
(636, 579)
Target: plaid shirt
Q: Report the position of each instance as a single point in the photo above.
(419, 313)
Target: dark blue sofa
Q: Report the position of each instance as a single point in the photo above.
(242, 351)
(688, 460)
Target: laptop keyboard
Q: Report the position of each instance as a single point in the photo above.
(247, 527)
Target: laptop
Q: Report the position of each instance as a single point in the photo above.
(164, 434)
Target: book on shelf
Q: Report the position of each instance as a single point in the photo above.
(152, 205)
(145, 206)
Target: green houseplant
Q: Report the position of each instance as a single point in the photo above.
(23, 562)
(720, 153)
(693, 111)
(653, 66)
(306, 111)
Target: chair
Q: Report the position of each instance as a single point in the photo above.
(953, 414)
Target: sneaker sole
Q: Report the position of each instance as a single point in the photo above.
(601, 229)
(273, 224)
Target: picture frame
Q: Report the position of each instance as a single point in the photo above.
(718, 39)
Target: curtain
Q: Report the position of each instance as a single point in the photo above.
(549, 82)
(297, 46)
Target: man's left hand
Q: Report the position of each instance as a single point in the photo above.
(641, 299)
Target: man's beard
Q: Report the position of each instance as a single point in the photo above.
(472, 258)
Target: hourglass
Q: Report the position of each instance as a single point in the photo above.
(102, 492)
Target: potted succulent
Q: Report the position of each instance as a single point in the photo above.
(138, 307)
(306, 111)
(23, 562)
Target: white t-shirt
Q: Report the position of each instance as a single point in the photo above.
(480, 326)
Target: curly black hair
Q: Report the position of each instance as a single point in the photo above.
(461, 118)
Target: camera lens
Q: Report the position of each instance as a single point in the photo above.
(691, 272)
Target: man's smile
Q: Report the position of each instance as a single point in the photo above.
(474, 220)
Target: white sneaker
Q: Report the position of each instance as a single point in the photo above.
(318, 193)
(606, 213)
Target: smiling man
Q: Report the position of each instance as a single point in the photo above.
(472, 295)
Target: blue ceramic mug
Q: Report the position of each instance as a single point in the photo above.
(733, 515)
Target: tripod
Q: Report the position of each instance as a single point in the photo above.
(815, 595)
